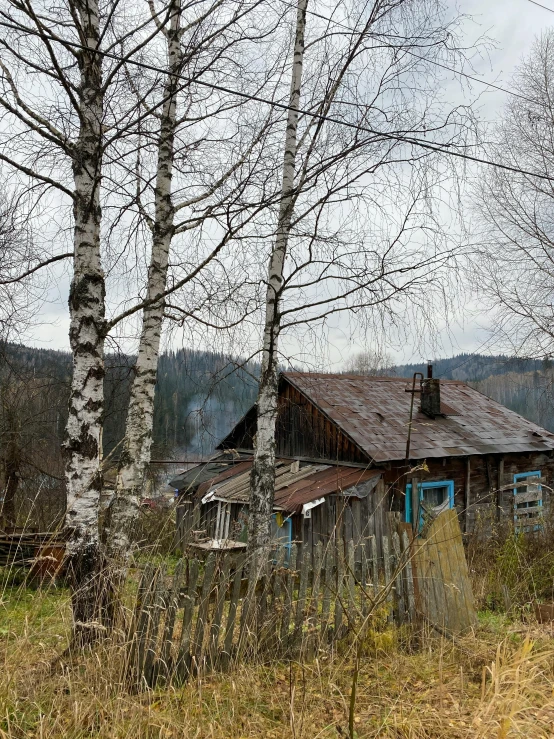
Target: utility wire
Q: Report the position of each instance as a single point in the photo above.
(423, 58)
(535, 3)
(427, 145)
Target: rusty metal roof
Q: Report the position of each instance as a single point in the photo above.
(295, 484)
(374, 412)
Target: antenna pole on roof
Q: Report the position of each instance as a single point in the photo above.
(408, 440)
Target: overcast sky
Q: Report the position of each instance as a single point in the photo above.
(512, 25)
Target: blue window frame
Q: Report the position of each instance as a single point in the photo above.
(282, 535)
(434, 493)
(518, 477)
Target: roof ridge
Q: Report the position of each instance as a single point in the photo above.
(373, 378)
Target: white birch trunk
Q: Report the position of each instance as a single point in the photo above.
(83, 440)
(135, 455)
(262, 481)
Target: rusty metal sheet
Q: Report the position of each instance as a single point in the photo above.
(374, 412)
(292, 489)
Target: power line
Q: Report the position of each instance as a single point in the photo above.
(541, 6)
(423, 58)
(427, 145)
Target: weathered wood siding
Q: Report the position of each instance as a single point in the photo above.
(441, 579)
(304, 431)
(491, 482)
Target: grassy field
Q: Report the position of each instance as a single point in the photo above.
(497, 682)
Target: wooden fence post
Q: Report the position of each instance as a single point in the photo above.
(153, 627)
(198, 642)
(314, 603)
(302, 590)
(339, 589)
(351, 584)
(173, 595)
(327, 590)
(289, 587)
(409, 578)
(388, 580)
(137, 627)
(399, 567)
(184, 657)
(218, 612)
(231, 616)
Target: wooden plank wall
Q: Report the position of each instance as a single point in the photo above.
(304, 431)
(346, 517)
(490, 483)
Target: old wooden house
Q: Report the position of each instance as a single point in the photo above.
(353, 450)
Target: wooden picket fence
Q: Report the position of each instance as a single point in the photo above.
(209, 613)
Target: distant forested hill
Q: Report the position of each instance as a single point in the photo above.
(474, 367)
(201, 395)
(524, 385)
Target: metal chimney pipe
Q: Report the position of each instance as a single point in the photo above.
(429, 369)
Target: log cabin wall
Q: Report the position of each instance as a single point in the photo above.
(488, 475)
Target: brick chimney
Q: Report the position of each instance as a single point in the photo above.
(430, 394)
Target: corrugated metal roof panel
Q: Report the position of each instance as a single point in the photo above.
(374, 412)
(292, 488)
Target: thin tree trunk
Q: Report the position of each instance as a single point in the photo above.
(82, 444)
(135, 455)
(10, 491)
(262, 480)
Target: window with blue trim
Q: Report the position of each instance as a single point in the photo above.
(433, 496)
(281, 532)
(527, 501)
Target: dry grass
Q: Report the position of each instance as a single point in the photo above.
(497, 683)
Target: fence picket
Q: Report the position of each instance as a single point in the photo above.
(327, 591)
(409, 575)
(339, 592)
(232, 614)
(399, 579)
(278, 578)
(351, 583)
(183, 659)
(364, 601)
(202, 617)
(302, 591)
(313, 612)
(374, 566)
(387, 568)
(218, 612)
(173, 603)
(140, 620)
(153, 627)
(289, 586)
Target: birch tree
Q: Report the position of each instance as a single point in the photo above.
(262, 481)
(362, 104)
(135, 453)
(54, 87)
(511, 232)
(196, 42)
